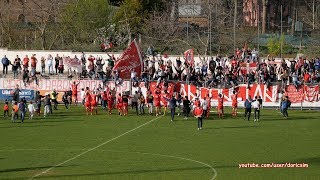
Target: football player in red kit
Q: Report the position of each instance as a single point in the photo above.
(88, 102)
(94, 103)
(157, 99)
(198, 113)
(234, 98)
(208, 99)
(220, 106)
(165, 98)
(119, 104)
(110, 101)
(125, 103)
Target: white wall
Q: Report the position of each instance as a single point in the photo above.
(11, 54)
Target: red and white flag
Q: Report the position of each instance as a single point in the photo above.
(189, 56)
(130, 59)
(311, 93)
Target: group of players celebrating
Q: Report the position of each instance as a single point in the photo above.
(162, 97)
(159, 98)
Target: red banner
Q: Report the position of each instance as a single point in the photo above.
(189, 56)
(129, 60)
(311, 93)
(267, 94)
(295, 95)
(245, 68)
(71, 62)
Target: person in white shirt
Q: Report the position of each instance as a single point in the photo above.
(50, 64)
(82, 96)
(256, 106)
(31, 109)
(205, 107)
(197, 68)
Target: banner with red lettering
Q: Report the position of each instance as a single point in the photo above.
(189, 56)
(130, 59)
(295, 95)
(311, 93)
(61, 85)
(72, 63)
(267, 94)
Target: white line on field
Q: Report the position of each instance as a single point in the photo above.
(94, 148)
(215, 173)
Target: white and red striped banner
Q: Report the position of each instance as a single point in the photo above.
(130, 59)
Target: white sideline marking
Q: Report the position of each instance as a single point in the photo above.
(91, 149)
(215, 173)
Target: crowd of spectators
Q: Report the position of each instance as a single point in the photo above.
(244, 66)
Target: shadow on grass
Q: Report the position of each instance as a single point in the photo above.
(27, 169)
(142, 171)
(311, 161)
(291, 118)
(232, 127)
(27, 126)
(44, 120)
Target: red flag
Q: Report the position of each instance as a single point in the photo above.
(130, 59)
(189, 56)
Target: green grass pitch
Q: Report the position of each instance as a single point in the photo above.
(72, 145)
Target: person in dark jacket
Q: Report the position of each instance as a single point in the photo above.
(37, 99)
(16, 92)
(65, 100)
(285, 104)
(247, 106)
(172, 106)
(47, 105)
(186, 107)
(22, 110)
(5, 62)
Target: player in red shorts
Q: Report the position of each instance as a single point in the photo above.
(110, 102)
(94, 103)
(196, 103)
(157, 99)
(119, 104)
(74, 90)
(198, 113)
(234, 98)
(87, 102)
(208, 99)
(104, 99)
(166, 98)
(220, 106)
(125, 101)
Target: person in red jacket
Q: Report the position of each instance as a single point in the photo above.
(33, 62)
(198, 113)
(25, 62)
